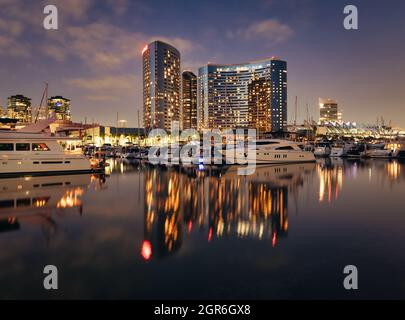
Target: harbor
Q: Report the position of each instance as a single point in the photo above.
(139, 231)
(201, 158)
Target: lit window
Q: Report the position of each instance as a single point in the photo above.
(39, 147)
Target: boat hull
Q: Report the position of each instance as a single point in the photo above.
(51, 165)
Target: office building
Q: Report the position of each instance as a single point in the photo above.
(328, 111)
(59, 107)
(19, 108)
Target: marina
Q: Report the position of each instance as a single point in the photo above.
(266, 233)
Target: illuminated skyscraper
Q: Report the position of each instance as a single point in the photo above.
(189, 100)
(223, 95)
(59, 107)
(328, 111)
(19, 108)
(161, 85)
(259, 111)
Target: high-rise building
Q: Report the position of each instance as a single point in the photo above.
(19, 108)
(328, 111)
(59, 107)
(223, 95)
(189, 100)
(259, 111)
(161, 85)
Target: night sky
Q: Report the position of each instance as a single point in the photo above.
(95, 57)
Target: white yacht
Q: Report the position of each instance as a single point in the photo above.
(25, 153)
(340, 149)
(322, 149)
(386, 152)
(272, 151)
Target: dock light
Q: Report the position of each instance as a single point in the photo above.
(146, 251)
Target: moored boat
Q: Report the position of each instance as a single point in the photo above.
(23, 153)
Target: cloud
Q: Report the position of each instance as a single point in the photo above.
(72, 9)
(102, 98)
(115, 83)
(271, 30)
(185, 46)
(103, 46)
(10, 47)
(119, 6)
(12, 27)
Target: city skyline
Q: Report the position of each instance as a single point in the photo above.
(96, 59)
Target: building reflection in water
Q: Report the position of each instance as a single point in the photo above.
(218, 204)
(38, 200)
(331, 176)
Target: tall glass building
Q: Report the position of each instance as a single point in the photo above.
(328, 111)
(161, 85)
(19, 108)
(59, 107)
(250, 95)
(189, 100)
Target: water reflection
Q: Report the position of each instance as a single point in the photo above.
(38, 200)
(142, 227)
(218, 205)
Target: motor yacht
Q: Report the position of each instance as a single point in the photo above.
(340, 149)
(356, 150)
(270, 151)
(384, 152)
(322, 149)
(24, 153)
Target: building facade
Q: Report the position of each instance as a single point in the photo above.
(19, 108)
(59, 107)
(259, 111)
(228, 95)
(328, 111)
(189, 100)
(161, 85)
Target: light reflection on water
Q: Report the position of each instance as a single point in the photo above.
(283, 232)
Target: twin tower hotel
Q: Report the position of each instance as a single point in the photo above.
(238, 96)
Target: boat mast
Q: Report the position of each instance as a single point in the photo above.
(44, 97)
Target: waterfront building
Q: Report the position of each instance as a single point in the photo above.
(328, 111)
(19, 108)
(59, 107)
(224, 100)
(99, 135)
(161, 85)
(189, 100)
(259, 111)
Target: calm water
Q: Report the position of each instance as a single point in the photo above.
(284, 232)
